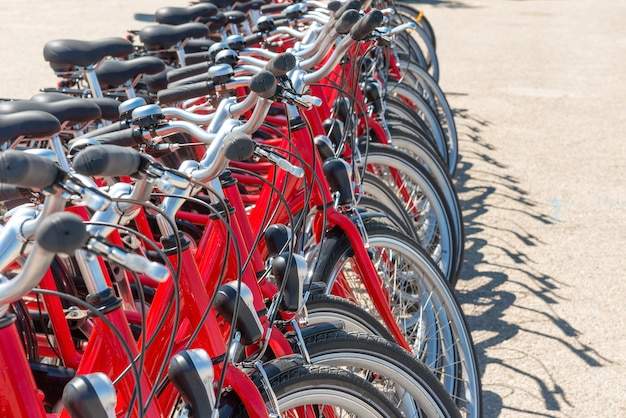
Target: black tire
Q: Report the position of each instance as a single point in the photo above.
(374, 207)
(406, 381)
(310, 384)
(328, 308)
(406, 102)
(420, 299)
(429, 159)
(431, 217)
(388, 203)
(425, 87)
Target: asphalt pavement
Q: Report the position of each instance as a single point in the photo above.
(538, 88)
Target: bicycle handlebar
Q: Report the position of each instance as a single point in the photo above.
(26, 170)
(281, 64)
(263, 84)
(108, 160)
(348, 5)
(347, 21)
(59, 232)
(366, 25)
(185, 91)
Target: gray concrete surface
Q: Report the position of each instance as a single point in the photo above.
(538, 90)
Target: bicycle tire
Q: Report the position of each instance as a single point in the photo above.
(427, 207)
(430, 90)
(432, 163)
(421, 301)
(385, 201)
(420, 113)
(309, 384)
(409, 13)
(329, 308)
(406, 381)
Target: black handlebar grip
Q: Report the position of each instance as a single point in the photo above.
(281, 64)
(366, 25)
(62, 232)
(27, 170)
(238, 146)
(197, 57)
(348, 5)
(114, 127)
(190, 80)
(184, 72)
(107, 160)
(10, 192)
(347, 21)
(128, 137)
(254, 39)
(184, 92)
(274, 7)
(281, 21)
(263, 84)
(334, 5)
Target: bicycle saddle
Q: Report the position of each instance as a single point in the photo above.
(108, 107)
(180, 15)
(33, 123)
(65, 54)
(246, 7)
(113, 73)
(165, 36)
(75, 109)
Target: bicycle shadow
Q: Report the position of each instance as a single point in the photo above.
(498, 271)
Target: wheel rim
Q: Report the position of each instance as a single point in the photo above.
(437, 333)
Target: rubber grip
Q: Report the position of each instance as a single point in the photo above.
(281, 21)
(334, 5)
(115, 126)
(27, 170)
(190, 80)
(107, 160)
(184, 92)
(348, 5)
(253, 40)
(274, 7)
(128, 137)
(263, 84)
(197, 57)
(347, 21)
(10, 192)
(184, 72)
(281, 64)
(238, 146)
(62, 232)
(366, 25)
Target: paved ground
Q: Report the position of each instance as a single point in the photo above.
(538, 88)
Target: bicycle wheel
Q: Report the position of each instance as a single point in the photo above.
(322, 391)
(329, 308)
(428, 158)
(419, 113)
(395, 372)
(405, 13)
(420, 300)
(373, 207)
(424, 86)
(412, 43)
(423, 200)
